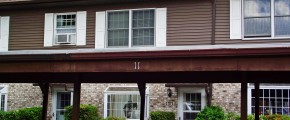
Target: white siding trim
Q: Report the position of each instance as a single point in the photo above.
(48, 30)
(235, 19)
(100, 30)
(161, 25)
(81, 27)
(4, 33)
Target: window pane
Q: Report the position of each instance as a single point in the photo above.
(2, 102)
(257, 8)
(63, 99)
(257, 21)
(143, 36)
(257, 27)
(189, 116)
(282, 26)
(118, 28)
(282, 7)
(123, 105)
(143, 27)
(118, 37)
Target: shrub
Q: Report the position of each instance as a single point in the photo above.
(33, 113)
(232, 116)
(87, 112)
(211, 113)
(161, 115)
(269, 117)
(113, 118)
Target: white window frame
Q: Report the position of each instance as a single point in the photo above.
(250, 87)
(130, 28)
(4, 91)
(55, 29)
(272, 25)
(107, 92)
(183, 90)
(54, 99)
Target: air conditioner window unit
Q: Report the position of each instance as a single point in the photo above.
(65, 38)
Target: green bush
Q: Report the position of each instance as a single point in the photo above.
(87, 112)
(113, 118)
(211, 113)
(232, 116)
(161, 115)
(269, 117)
(33, 113)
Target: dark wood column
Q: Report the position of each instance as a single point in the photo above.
(244, 99)
(44, 89)
(142, 90)
(257, 87)
(76, 100)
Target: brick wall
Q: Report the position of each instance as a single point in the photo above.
(23, 95)
(228, 96)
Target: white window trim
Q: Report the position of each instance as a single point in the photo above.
(130, 28)
(272, 25)
(54, 99)
(4, 91)
(55, 25)
(106, 93)
(249, 92)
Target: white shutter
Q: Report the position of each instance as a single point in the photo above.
(235, 19)
(100, 30)
(81, 27)
(48, 30)
(4, 23)
(161, 24)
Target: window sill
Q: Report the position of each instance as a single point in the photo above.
(266, 38)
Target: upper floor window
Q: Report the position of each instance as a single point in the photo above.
(131, 28)
(65, 28)
(266, 18)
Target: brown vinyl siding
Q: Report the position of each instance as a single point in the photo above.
(188, 23)
(223, 27)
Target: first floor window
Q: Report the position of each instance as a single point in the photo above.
(266, 18)
(3, 98)
(123, 103)
(272, 100)
(131, 28)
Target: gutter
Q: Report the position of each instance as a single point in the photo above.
(208, 53)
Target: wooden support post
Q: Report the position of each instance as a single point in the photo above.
(76, 100)
(44, 89)
(257, 107)
(142, 89)
(244, 99)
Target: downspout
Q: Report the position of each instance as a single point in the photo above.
(213, 21)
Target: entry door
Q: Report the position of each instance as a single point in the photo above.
(190, 102)
(60, 101)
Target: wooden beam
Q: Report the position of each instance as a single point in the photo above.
(76, 100)
(244, 99)
(44, 89)
(257, 96)
(142, 90)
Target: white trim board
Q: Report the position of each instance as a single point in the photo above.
(168, 48)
